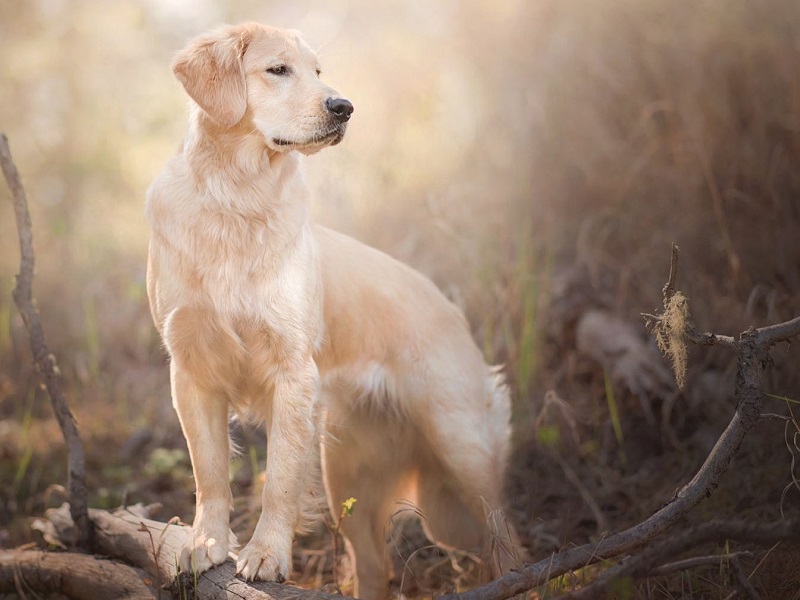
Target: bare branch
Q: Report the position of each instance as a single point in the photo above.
(699, 338)
(781, 332)
(645, 562)
(44, 359)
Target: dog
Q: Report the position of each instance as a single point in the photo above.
(337, 347)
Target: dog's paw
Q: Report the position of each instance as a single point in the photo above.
(264, 562)
(205, 550)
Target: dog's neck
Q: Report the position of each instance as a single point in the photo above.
(237, 170)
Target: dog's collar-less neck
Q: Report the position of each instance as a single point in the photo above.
(223, 162)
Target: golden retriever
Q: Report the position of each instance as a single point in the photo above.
(339, 348)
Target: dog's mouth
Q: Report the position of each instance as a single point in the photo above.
(330, 137)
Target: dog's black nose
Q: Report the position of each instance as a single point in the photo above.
(341, 108)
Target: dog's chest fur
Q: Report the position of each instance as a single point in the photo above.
(243, 282)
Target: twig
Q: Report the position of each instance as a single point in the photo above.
(572, 477)
(743, 583)
(774, 417)
(668, 291)
(696, 561)
(45, 361)
(143, 527)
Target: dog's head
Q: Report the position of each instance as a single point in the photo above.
(264, 78)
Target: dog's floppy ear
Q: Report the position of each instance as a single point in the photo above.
(211, 71)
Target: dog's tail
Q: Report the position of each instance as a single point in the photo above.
(500, 412)
(505, 550)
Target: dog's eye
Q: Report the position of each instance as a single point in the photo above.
(279, 70)
(319, 72)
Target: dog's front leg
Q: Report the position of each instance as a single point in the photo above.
(290, 433)
(204, 420)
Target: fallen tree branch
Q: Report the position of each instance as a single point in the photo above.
(127, 534)
(645, 563)
(753, 348)
(44, 359)
(77, 576)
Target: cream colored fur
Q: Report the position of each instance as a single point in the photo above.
(309, 330)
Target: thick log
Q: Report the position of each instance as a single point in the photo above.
(78, 576)
(155, 546)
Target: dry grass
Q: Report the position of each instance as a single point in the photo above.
(534, 158)
(670, 334)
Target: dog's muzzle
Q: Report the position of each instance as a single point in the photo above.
(331, 132)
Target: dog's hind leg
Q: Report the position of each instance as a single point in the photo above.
(364, 457)
(462, 466)
(468, 520)
(448, 520)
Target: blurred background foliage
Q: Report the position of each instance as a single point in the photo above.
(534, 158)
